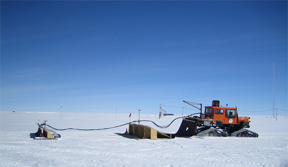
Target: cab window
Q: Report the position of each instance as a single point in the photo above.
(208, 110)
(230, 113)
(219, 111)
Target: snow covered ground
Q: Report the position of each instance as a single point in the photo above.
(107, 148)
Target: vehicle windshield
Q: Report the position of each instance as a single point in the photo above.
(230, 113)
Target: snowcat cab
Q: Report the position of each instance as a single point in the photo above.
(220, 121)
(225, 116)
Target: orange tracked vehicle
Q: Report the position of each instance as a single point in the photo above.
(220, 121)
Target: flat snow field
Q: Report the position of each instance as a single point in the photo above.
(108, 148)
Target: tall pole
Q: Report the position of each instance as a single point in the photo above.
(273, 89)
(139, 117)
(160, 111)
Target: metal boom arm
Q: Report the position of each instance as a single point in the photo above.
(193, 105)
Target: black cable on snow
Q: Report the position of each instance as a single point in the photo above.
(90, 129)
(159, 126)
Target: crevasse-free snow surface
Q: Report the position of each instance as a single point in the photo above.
(107, 148)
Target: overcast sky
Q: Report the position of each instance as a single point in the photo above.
(99, 56)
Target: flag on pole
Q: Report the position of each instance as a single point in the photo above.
(130, 115)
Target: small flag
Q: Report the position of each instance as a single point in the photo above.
(130, 115)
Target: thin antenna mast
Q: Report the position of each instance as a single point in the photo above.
(273, 89)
